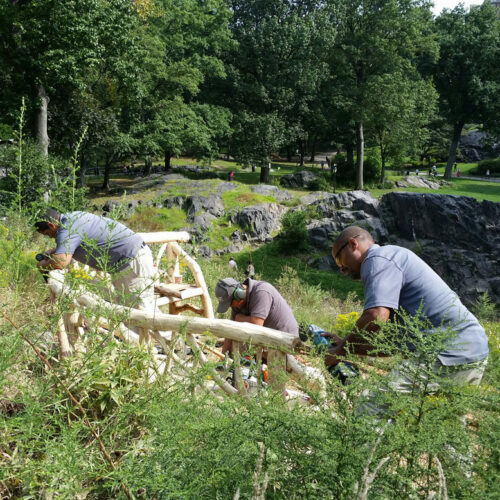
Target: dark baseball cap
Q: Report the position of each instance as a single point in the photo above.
(224, 291)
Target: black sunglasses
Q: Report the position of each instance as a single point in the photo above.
(342, 248)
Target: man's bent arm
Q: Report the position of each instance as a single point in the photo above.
(55, 261)
(242, 318)
(357, 343)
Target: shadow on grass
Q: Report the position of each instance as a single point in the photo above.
(269, 266)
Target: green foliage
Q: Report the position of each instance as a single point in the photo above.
(320, 183)
(493, 165)
(294, 236)
(484, 308)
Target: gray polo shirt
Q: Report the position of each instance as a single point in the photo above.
(396, 278)
(265, 302)
(100, 242)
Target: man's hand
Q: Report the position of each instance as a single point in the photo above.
(334, 338)
(335, 353)
(54, 261)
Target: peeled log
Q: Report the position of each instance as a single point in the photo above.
(239, 332)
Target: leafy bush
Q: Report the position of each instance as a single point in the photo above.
(493, 165)
(320, 183)
(372, 167)
(294, 236)
(484, 308)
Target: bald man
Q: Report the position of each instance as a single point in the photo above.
(395, 279)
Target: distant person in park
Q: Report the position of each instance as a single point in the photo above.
(458, 172)
(232, 264)
(322, 164)
(395, 279)
(455, 167)
(105, 245)
(488, 173)
(230, 176)
(256, 302)
(416, 171)
(250, 270)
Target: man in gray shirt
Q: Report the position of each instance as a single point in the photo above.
(256, 302)
(394, 278)
(105, 245)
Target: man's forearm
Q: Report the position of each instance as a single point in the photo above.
(243, 318)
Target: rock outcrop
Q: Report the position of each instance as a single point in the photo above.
(195, 205)
(259, 221)
(298, 180)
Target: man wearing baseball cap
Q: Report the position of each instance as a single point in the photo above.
(256, 302)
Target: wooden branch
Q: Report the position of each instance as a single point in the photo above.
(240, 332)
(367, 479)
(443, 491)
(65, 349)
(198, 278)
(165, 237)
(229, 389)
(188, 307)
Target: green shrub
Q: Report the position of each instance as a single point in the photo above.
(493, 165)
(319, 184)
(484, 308)
(293, 237)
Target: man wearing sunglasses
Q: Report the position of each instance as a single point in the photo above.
(394, 278)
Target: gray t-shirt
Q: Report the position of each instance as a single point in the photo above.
(100, 242)
(265, 302)
(396, 278)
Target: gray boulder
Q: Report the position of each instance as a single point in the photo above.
(478, 145)
(267, 190)
(212, 204)
(298, 180)
(323, 232)
(259, 221)
(326, 263)
(264, 189)
(204, 252)
(203, 221)
(222, 187)
(458, 221)
(351, 200)
(417, 181)
(310, 198)
(283, 195)
(173, 201)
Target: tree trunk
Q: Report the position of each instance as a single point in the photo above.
(302, 154)
(82, 169)
(313, 151)
(289, 154)
(264, 174)
(148, 165)
(41, 120)
(168, 157)
(457, 132)
(360, 151)
(382, 174)
(107, 169)
(382, 158)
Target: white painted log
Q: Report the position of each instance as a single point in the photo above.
(240, 332)
(165, 237)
